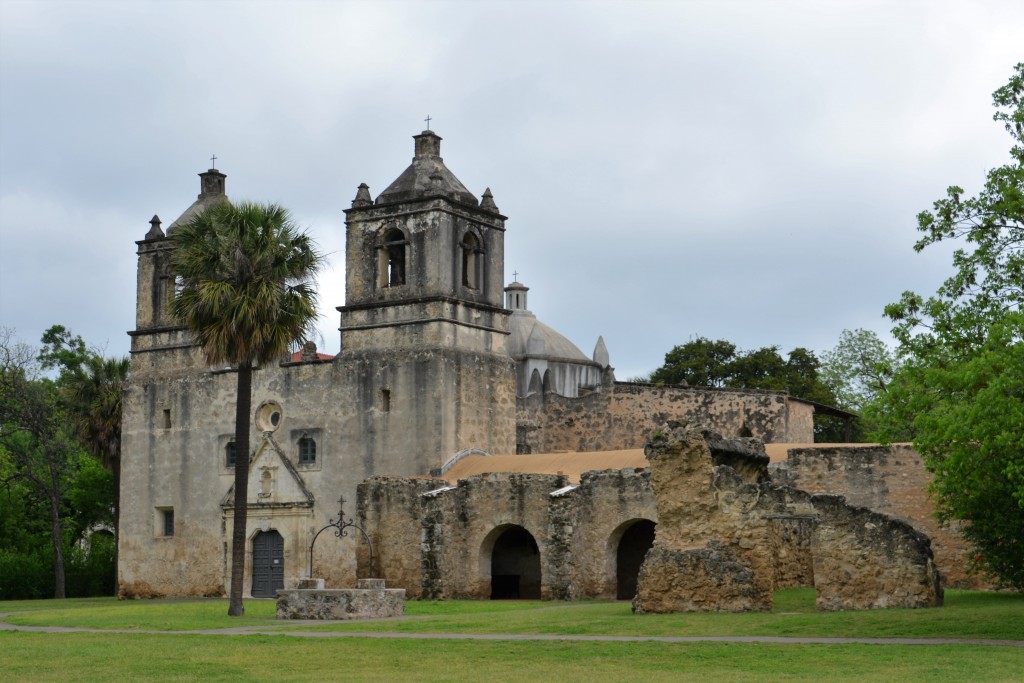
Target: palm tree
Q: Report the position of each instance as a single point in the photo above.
(245, 278)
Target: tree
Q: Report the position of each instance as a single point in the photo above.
(35, 437)
(244, 275)
(961, 386)
(858, 370)
(93, 387)
(702, 362)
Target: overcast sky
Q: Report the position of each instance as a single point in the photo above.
(748, 171)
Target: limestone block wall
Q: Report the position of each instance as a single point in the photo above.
(625, 415)
(888, 479)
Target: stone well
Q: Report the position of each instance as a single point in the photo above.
(370, 599)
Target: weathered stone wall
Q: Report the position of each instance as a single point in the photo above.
(178, 420)
(861, 559)
(440, 545)
(892, 480)
(625, 415)
(866, 560)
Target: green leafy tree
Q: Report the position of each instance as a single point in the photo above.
(244, 273)
(859, 369)
(763, 368)
(702, 362)
(92, 386)
(40, 449)
(961, 386)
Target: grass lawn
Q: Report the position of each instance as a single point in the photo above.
(186, 657)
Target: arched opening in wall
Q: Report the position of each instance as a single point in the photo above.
(471, 261)
(635, 538)
(515, 565)
(547, 381)
(267, 564)
(391, 259)
(535, 383)
(745, 431)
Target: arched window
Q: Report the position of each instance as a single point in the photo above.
(307, 450)
(391, 259)
(229, 454)
(472, 261)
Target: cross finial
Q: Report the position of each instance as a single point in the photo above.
(213, 161)
(515, 275)
(428, 121)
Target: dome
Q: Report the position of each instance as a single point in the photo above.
(529, 337)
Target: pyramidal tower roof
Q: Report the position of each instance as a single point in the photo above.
(427, 176)
(211, 192)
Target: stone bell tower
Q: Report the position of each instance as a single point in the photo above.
(424, 313)
(159, 343)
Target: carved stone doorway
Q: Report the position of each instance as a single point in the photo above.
(267, 564)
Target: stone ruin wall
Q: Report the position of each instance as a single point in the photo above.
(721, 522)
(716, 546)
(887, 479)
(439, 546)
(624, 415)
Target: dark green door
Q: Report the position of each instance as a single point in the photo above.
(267, 564)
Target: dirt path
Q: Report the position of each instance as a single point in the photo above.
(261, 630)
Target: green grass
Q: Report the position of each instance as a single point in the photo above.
(966, 614)
(136, 657)
(185, 657)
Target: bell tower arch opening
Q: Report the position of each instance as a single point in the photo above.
(472, 261)
(391, 259)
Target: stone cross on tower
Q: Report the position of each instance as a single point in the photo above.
(428, 121)
(213, 161)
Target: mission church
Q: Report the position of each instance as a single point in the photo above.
(442, 373)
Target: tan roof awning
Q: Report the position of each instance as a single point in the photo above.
(571, 464)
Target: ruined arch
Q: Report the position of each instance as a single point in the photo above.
(627, 547)
(510, 560)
